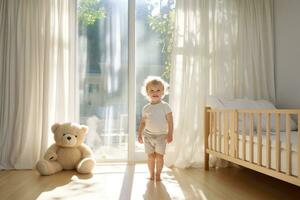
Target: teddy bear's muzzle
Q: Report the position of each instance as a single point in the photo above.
(69, 140)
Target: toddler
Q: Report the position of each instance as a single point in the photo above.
(156, 125)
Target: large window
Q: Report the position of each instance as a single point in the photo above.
(102, 52)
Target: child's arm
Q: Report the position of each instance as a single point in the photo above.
(140, 130)
(169, 118)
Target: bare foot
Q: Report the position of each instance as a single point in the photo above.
(151, 175)
(157, 178)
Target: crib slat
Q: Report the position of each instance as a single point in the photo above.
(244, 136)
(268, 140)
(277, 145)
(288, 144)
(259, 139)
(216, 131)
(210, 130)
(251, 137)
(236, 134)
(298, 145)
(220, 131)
(212, 134)
(206, 134)
(232, 128)
(226, 133)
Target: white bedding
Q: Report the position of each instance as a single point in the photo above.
(294, 139)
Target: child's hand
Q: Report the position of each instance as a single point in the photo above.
(140, 139)
(169, 138)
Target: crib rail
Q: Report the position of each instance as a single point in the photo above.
(224, 126)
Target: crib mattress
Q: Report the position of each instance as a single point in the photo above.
(294, 149)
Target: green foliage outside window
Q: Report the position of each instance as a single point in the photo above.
(163, 24)
(90, 11)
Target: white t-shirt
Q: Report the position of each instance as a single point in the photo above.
(155, 118)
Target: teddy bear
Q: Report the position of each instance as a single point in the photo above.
(68, 152)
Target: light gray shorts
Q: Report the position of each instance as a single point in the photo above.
(155, 143)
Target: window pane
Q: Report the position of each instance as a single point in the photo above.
(102, 43)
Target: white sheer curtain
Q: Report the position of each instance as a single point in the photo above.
(37, 71)
(224, 48)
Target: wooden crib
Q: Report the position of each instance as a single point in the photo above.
(244, 137)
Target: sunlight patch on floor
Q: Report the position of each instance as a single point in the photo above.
(106, 183)
(168, 188)
(116, 181)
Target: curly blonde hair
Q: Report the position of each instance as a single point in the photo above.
(154, 80)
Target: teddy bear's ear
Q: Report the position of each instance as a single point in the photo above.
(54, 127)
(84, 128)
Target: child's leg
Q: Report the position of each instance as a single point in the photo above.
(159, 165)
(151, 165)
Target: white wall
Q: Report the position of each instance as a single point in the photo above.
(287, 53)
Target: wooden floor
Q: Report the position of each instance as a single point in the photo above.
(121, 181)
